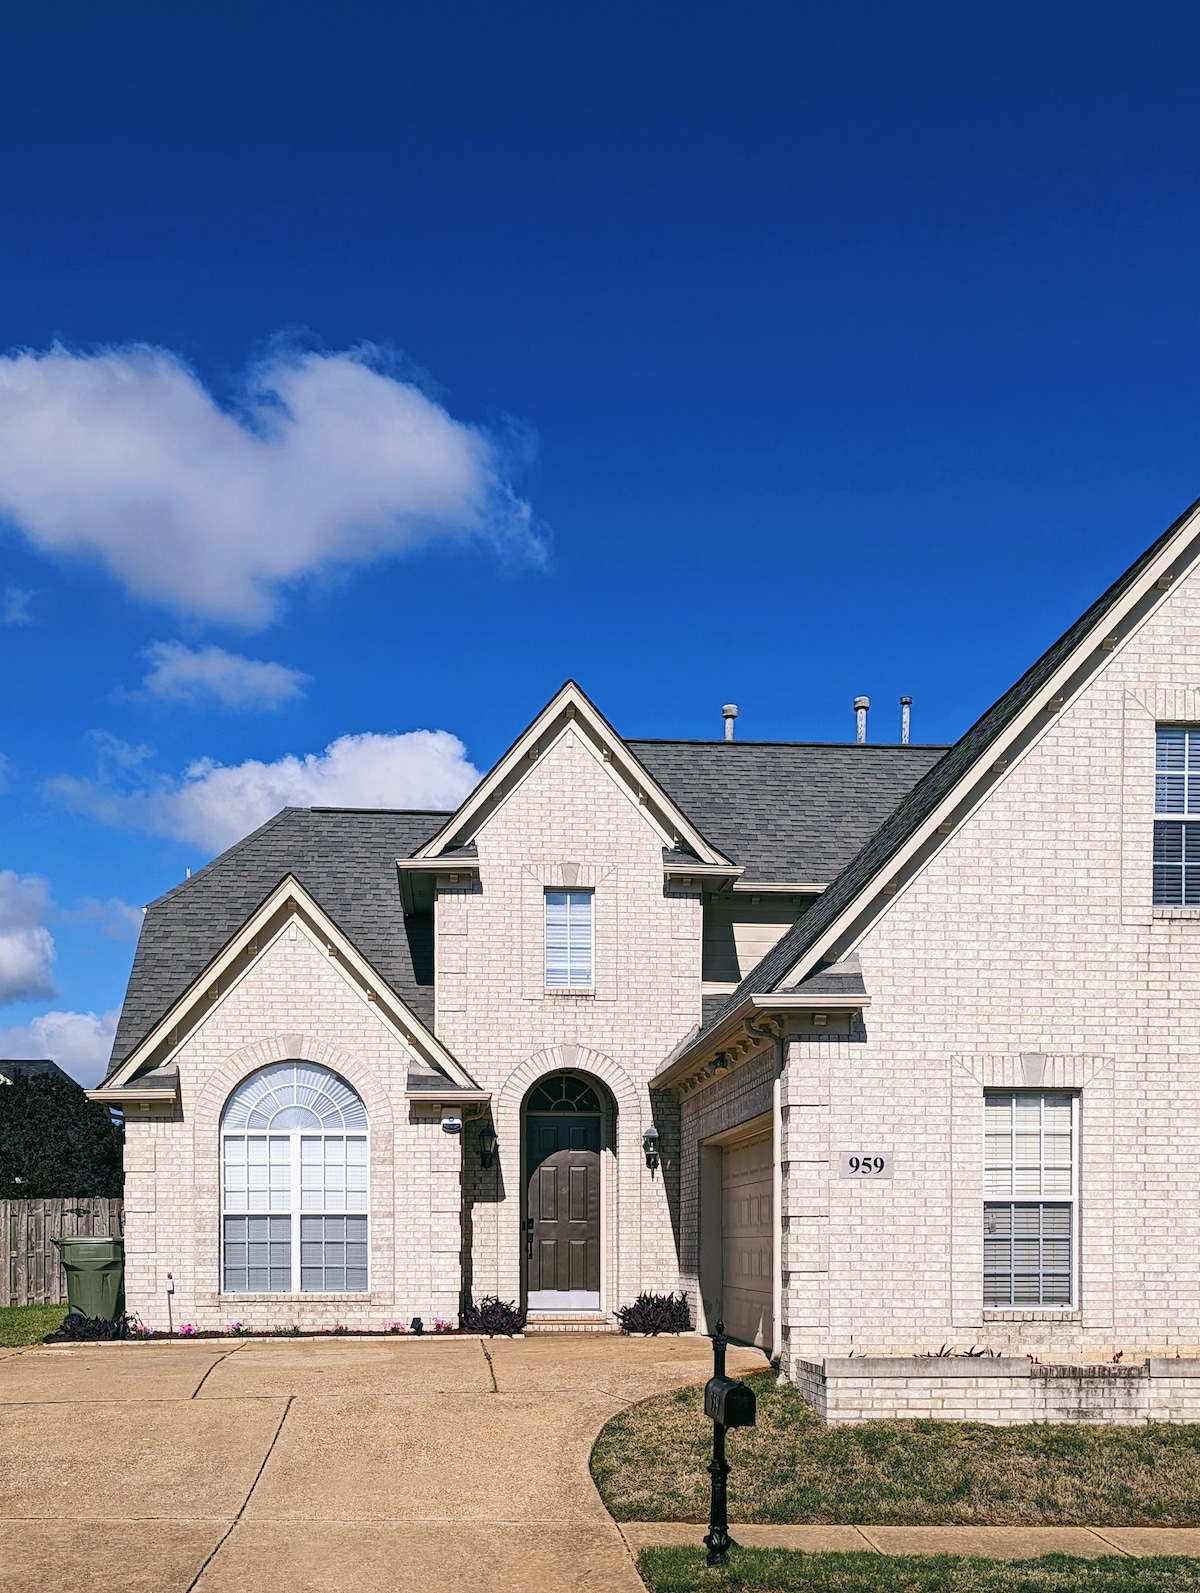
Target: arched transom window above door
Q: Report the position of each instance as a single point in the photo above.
(294, 1184)
(563, 1092)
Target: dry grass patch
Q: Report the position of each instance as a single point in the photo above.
(788, 1571)
(649, 1465)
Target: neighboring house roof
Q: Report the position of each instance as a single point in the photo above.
(344, 858)
(1079, 652)
(32, 1068)
(791, 812)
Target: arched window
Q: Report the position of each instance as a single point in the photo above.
(294, 1184)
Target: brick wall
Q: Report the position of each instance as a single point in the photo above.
(1031, 934)
(293, 1003)
(569, 823)
(1004, 1392)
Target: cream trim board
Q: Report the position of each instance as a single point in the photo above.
(288, 907)
(570, 712)
(1087, 661)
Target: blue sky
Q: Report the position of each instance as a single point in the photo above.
(768, 353)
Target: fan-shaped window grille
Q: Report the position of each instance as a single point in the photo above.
(294, 1184)
(563, 1092)
(294, 1095)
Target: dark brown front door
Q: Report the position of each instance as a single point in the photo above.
(562, 1216)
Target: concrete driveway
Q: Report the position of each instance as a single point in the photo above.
(334, 1466)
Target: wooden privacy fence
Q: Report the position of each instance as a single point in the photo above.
(34, 1275)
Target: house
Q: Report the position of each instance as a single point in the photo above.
(873, 1049)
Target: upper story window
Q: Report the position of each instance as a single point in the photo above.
(1028, 1200)
(1177, 838)
(569, 940)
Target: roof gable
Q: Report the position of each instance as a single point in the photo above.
(289, 904)
(964, 777)
(345, 859)
(569, 710)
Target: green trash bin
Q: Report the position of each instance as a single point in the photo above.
(95, 1271)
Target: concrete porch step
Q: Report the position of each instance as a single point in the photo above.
(570, 1322)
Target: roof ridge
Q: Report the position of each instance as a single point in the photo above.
(842, 746)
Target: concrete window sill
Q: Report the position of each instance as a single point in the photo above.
(1176, 912)
(1064, 1313)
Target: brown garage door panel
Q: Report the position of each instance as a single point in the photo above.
(747, 1240)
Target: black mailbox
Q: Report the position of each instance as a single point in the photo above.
(729, 1402)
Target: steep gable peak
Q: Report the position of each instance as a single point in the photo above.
(569, 711)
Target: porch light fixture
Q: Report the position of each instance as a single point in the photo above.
(650, 1141)
(487, 1144)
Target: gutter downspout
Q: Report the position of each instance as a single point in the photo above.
(777, 1212)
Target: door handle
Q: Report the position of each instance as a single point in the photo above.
(529, 1238)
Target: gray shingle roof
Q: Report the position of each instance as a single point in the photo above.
(786, 812)
(876, 856)
(344, 858)
(791, 812)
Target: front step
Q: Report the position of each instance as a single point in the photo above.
(570, 1322)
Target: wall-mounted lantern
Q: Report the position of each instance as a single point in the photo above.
(650, 1142)
(487, 1144)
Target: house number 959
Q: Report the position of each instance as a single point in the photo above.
(864, 1164)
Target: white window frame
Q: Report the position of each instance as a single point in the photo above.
(1186, 817)
(570, 983)
(1058, 1308)
(296, 1211)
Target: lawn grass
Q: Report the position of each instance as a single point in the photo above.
(28, 1324)
(790, 1571)
(649, 1465)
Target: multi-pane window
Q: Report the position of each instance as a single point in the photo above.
(569, 940)
(1177, 838)
(294, 1184)
(1029, 1199)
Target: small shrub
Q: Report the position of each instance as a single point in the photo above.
(239, 1330)
(338, 1329)
(395, 1327)
(440, 1325)
(656, 1313)
(492, 1316)
(289, 1331)
(77, 1328)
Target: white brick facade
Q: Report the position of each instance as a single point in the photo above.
(1023, 953)
(440, 1224)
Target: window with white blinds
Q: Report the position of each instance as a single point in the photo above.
(1029, 1200)
(569, 940)
(1177, 817)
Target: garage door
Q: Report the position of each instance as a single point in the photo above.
(747, 1234)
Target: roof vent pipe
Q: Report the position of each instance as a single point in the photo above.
(729, 714)
(861, 704)
(905, 719)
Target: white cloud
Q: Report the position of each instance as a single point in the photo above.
(15, 604)
(80, 1042)
(26, 945)
(115, 919)
(214, 804)
(124, 455)
(202, 676)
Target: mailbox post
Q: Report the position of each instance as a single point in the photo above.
(727, 1403)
